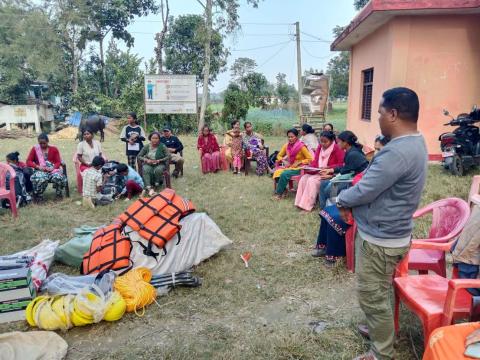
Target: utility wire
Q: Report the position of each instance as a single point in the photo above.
(271, 57)
(315, 37)
(263, 47)
(314, 56)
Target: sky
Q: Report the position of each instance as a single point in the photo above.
(269, 26)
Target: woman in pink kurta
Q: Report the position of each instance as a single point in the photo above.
(329, 155)
(209, 150)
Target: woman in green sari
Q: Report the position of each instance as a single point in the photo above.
(155, 157)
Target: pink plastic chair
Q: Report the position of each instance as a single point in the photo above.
(78, 173)
(449, 217)
(474, 195)
(350, 246)
(8, 194)
(436, 300)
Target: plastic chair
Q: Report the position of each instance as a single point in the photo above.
(290, 182)
(78, 173)
(449, 217)
(350, 246)
(436, 300)
(474, 195)
(8, 194)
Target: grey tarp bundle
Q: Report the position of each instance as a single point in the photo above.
(32, 345)
(71, 253)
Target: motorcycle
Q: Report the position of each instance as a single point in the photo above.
(461, 148)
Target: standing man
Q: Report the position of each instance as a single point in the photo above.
(175, 147)
(383, 203)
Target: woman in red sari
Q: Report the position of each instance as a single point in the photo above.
(209, 150)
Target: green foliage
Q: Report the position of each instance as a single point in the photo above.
(338, 69)
(257, 88)
(359, 4)
(235, 103)
(184, 48)
(242, 67)
(284, 91)
(26, 54)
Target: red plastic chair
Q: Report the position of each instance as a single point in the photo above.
(76, 163)
(474, 195)
(293, 179)
(436, 300)
(8, 194)
(449, 217)
(350, 246)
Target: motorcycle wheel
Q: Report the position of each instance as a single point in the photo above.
(456, 167)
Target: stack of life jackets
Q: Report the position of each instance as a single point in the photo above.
(156, 219)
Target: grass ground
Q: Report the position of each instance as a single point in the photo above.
(263, 312)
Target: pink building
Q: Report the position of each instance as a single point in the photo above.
(430, 46)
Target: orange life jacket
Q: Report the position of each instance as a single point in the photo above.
(156, 219)
(110, 250)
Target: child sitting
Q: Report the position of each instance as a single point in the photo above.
(133, 181)
(237, 151)
(93, 183)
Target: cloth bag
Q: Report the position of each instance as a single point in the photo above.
(71, 253)
(32, 345)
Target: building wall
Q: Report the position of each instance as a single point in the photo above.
(25, 114)
(437, 56)
(372, 52)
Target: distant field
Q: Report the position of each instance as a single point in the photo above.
(277, 120)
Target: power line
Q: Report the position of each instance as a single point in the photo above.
(315, 37)
(271, 57)
(314, 56)
(263, 47)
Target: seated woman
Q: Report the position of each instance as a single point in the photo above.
(354, 163)
(294, 155)
(331, 236)
(46, 162)
(154, 157)
(309, 138)
(253, 145)
(209, 150)
(327, 155)
(87, 149)
(228, 140)
(21, 192)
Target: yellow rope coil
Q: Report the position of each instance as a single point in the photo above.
(136, 289)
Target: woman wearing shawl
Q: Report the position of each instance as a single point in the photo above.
(228, 140)
(154, 157)
(331, 236)
(309, 138)
(294, 155)
(327, 155)
(209, 150)
(46, 162)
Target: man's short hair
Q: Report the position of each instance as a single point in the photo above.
(98, 161)
(122, 168)
(404, 100)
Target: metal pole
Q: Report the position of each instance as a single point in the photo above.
(299, 70)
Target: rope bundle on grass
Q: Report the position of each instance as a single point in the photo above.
(136, 289)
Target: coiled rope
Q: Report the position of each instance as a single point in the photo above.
(136, 289)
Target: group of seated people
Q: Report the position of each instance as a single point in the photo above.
(102, 180)
(337, 163)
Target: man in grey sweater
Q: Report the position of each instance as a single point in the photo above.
(383, 203)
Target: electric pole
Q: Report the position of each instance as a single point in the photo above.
(299, 71)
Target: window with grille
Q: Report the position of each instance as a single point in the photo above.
(367, 94)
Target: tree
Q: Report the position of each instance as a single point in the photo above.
(282, 90)
(114, 16)
(338, 70)
(69, 18)
(359, 4)
(257, 88)
(242, 67)
(26, 55)
(160, 37)
(184, 48)
(227, 19)
(235, 103)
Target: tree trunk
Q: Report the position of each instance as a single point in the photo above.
(206, 66)
(75, 60)
(160, 37)
(102, 65)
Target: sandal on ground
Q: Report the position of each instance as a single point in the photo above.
(319, 252)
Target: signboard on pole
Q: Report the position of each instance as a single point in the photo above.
(170, 94)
